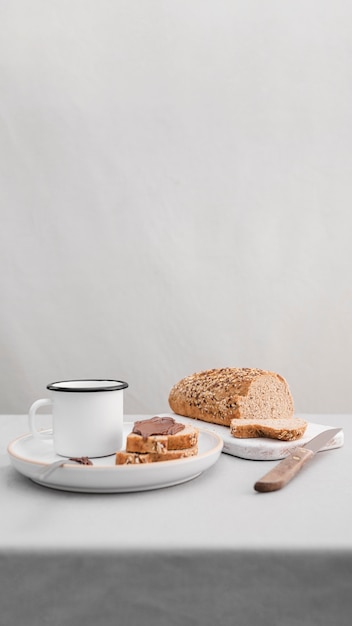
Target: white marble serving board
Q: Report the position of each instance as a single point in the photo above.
(263, 448)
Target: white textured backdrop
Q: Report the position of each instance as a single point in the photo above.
(175, 195)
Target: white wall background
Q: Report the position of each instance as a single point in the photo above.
(175, 194)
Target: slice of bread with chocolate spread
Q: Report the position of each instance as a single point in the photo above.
(158, 439)
(185, 438)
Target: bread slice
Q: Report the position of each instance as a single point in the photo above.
(284, 429)
(221, 395)
(135, 458)
(131, 458)
(186, 438)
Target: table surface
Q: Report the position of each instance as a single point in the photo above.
(208, 551)
(219, 510)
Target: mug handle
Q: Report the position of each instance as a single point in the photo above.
(32, 417)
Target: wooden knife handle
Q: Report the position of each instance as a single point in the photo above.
(284, 471)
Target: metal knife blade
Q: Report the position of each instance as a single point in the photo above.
(284, 471)
(318, 442)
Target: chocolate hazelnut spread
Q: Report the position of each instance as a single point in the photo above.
(157, 426)
(82, 460)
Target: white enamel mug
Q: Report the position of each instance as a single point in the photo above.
(87, 417)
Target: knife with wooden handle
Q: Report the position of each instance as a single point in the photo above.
(287, 469)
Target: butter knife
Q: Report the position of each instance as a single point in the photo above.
(287, 469)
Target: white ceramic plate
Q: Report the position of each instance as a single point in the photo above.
(263, 448)
(31, 456)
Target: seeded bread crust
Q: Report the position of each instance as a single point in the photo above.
(283, 429)
(135, 458)
(186, 438)
(221, 395)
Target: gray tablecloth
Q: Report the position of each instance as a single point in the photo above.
(209, 551)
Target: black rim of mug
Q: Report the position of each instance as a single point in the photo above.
(113, 386)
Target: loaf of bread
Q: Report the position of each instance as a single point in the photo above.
(135, 458)
(221, 395)
(283, 429)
